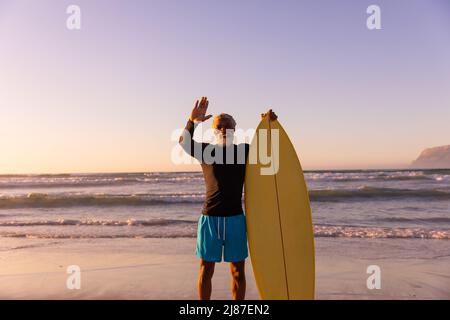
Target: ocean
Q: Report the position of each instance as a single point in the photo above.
(389, 204)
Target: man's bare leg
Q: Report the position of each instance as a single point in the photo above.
(204, 280)
(238, 284)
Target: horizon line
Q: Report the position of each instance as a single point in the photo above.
(199, 171)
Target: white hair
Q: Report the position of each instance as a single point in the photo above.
(225, 116)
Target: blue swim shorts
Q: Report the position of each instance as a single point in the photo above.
(222, 234)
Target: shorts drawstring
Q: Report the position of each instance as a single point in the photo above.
(218, 228)
(224, 224)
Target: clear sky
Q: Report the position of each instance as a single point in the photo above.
(107, 97)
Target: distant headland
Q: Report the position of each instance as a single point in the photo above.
(433, 158)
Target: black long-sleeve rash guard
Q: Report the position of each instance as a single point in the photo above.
(224, 176)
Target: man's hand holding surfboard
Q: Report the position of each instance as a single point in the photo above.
(272, 116)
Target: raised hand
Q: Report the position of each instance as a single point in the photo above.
(199, 111)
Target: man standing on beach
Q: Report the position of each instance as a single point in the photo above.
(221, 227)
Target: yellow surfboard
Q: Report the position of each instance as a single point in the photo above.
(278, 217)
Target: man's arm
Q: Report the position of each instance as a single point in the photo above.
(187, 142)
(198, 114)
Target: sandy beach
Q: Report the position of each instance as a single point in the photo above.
(168, 268)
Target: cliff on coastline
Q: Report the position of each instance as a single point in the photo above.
(433, 158)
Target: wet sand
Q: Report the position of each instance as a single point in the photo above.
(168, 269)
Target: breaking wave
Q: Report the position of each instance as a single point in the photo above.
(187, 228)
(374, 193)
(43, 200)
(95, 222)
(99, 180)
